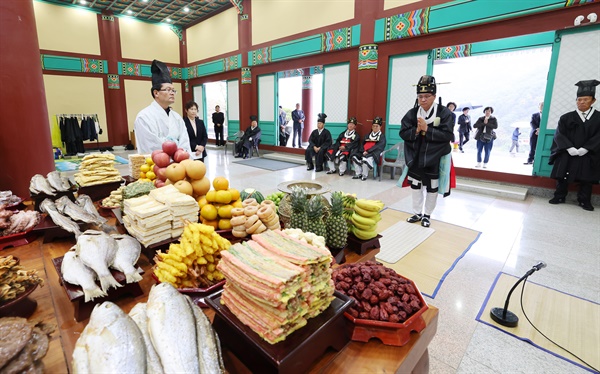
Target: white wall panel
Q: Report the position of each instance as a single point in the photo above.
(266, 98)
(335, 92)
(404, 75)
(233, 100)
(199, 99)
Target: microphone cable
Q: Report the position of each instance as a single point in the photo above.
(550, 340)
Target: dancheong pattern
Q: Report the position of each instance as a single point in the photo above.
(336, 39)
(92, 66)
(113, 82)
(230, 63)
(130, 68)
(407, 25)
(368, 56)
(261, 56)
(453, 51)
(246, 76)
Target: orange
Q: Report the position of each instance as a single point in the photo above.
(225, 211)
(223, 196)
(220, 183)
(142, 175)
(235, 194)
(214, 223)
(237, 204)
(202, 201)
(209, 212)
(224, 224)
(211, 196)
(145, 168)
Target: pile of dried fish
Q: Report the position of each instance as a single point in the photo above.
(169, 334)
(65, 212)
(50, 185)
(93, 255)
(23, 345)
(14, 223)
(8, 198)
(14, 279)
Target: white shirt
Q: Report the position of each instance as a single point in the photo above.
(588, 113)
(153, 127)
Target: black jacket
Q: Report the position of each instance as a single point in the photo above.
(198, 138)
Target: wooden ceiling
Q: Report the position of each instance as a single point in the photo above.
(181, 13)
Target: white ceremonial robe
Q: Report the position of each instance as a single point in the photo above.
(153, 127)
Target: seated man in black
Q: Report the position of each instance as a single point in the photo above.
(319, 142)
(250, 138)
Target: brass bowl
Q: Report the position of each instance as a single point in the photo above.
(312, 187)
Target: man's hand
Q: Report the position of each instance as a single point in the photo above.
(316, 149)
(421, 125)
(582, 151)
(573, 151)
(537, 131)
(342, 147)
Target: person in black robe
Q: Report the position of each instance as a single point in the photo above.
(250, 138)
(346, 144)
(575, 152)
(318, 143)
(196, 131)
(427, 130)
(369, 152)
(218, 119)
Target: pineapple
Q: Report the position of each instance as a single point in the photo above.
(337, 228)
(314, 216)
(298, 202)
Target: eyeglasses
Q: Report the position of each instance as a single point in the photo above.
(169, 90)
(424, 97)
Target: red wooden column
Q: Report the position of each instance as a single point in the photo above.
(248, 81)
(25, 143)
(310, 123)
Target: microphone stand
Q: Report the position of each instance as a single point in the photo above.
(505, 317)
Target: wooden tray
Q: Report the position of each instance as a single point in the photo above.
(83, 310)
(100, 191)
(293, 355)
(19, 239)
(52, 231)
(390, 333)
(362, 246)
(39, 198)
(21, 306)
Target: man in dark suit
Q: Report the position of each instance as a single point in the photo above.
(250, 137)
(298, 118)
(533, 135)
(218, 118)
(319, 142)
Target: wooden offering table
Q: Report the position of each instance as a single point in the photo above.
(55, 307)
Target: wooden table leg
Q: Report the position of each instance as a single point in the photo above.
(422, 367)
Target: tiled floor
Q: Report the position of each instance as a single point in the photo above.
(515, 235)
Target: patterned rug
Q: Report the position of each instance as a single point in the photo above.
(570, 321)
(72, 164)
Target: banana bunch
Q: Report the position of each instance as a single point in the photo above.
(192, 262)
(365, 217)
(348, 201)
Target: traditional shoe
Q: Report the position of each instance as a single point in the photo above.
(587, 206)
(363, 178)
(356, 176)
(557, 200)
(310, 167)
(425, 221)
(332, 171)
(415, 218)
(342, 173)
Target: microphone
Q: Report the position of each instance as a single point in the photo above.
(505, 317)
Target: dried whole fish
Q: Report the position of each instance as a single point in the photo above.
(48, 206)
(127, 256)
(66, 206)
(39, 184)
(97, 250)
(87, 204)
(75, 272)
(55, 181)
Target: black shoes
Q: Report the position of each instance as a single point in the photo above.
(415, 218)
(587, 206)
(557, 200)
(363, 178)
(318, 169)
(342, 173)
(357, 176)
(425, 221)
(310, 167)
(529, 163)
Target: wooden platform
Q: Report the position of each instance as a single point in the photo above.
(55, 307)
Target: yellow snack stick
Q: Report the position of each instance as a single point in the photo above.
(168, 268)
(180, 266)
(209, 258)
(209, 276)
(196, 236)
(218, 275)
(211, 267)
(201, 261)
(199, 251)
(188, 261)
(207, 249)
(166, 277)
(205, 229)
(205, 239)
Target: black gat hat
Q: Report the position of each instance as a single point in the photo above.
(426, 85)
(160, 73)
(587, 88)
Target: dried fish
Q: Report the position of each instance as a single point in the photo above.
(39, 184)
(55, 181)
(69, 208)
(48, 206)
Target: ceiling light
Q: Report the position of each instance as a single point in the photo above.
(168, 20)
(83, 2)
(186, 9)
(129, 11)
(144, 1)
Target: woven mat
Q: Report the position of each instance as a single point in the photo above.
(71, 164)
(433, 259)
(398, 240)
(570, 321)
(267, 164)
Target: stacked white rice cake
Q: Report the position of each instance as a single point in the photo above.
(146, 219)
(181, 206)
(97, 168)
(275, 283)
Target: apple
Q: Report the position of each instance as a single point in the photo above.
(180, 155)
(155, 152)
(155, 169)
(169, 147)
(158, 183)
(161, 174)
(175, 172)
(161, 159)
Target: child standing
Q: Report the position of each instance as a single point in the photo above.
(515, 140)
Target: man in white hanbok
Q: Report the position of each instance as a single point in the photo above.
(158, 122)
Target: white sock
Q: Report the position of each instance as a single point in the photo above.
(331, 165)
(417, 201)
(430, 202)
(343, 166)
